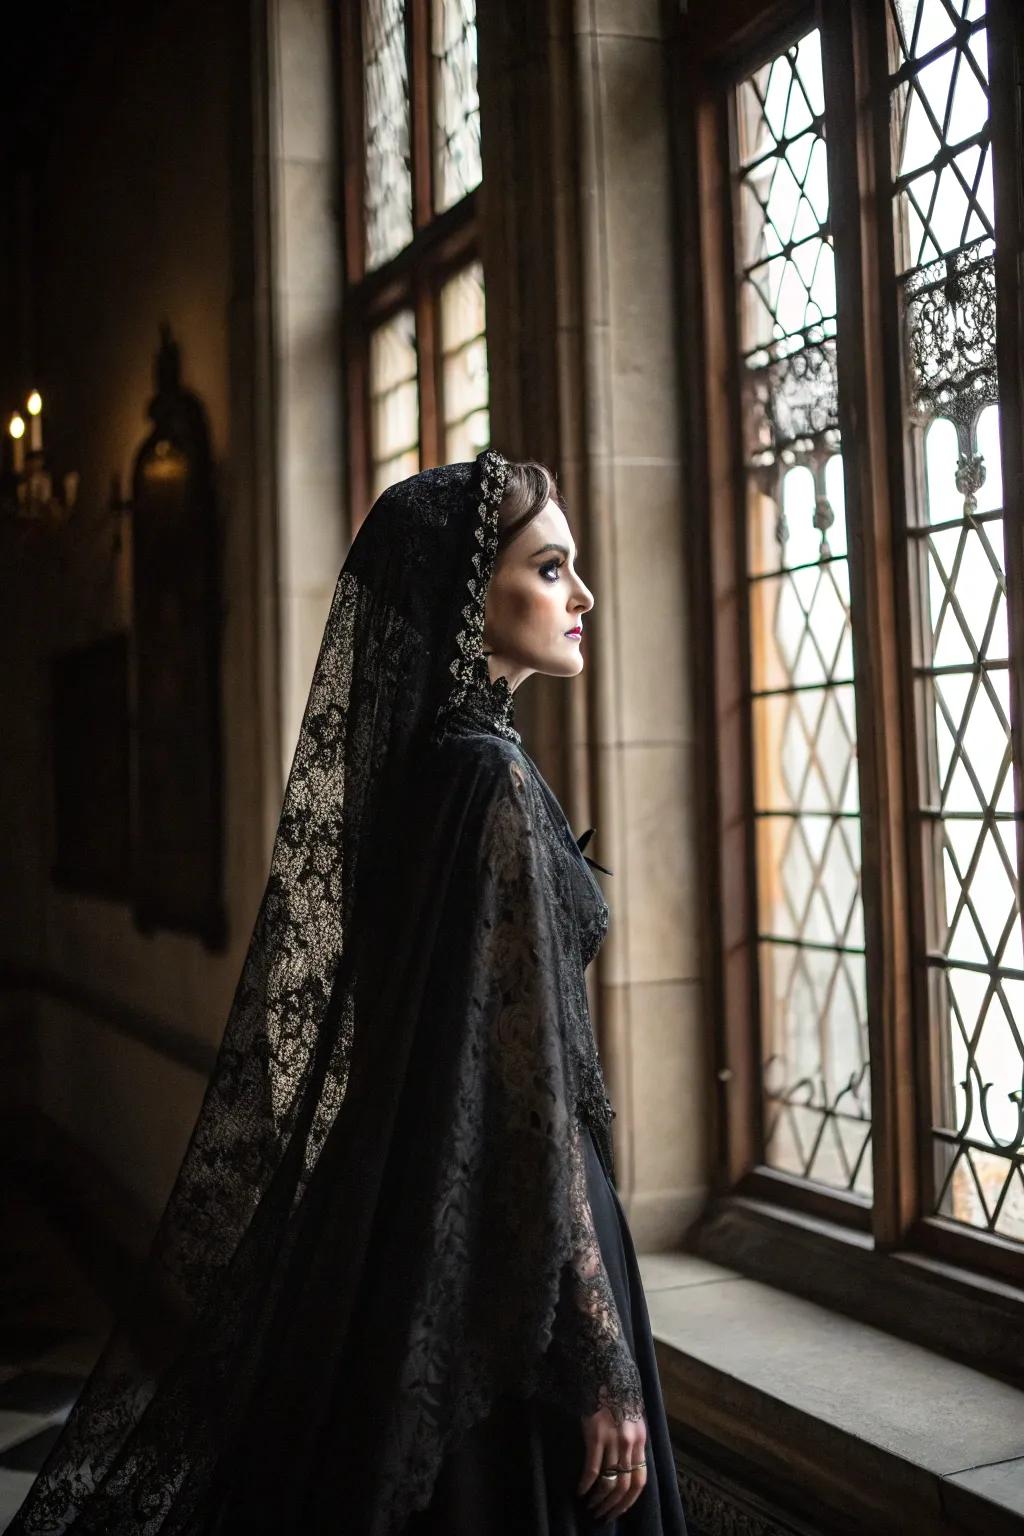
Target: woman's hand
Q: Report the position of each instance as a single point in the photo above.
(612, 1445)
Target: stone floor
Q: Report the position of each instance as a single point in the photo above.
(52, 1326)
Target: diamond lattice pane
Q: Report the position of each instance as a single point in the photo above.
(810, 915)
(941, 142)
(816, 1077)
(457, 164)
(943, 223)
(387, 183)
(467, 424)
(787, 295)
(394, 401)
(977, 939)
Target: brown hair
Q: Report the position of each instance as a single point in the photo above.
(529, 487)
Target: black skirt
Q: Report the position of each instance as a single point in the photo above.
(516, 1472)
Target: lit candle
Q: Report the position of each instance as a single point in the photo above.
(35, 411)
(17, 431)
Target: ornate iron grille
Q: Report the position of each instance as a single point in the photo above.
(943, 223)
(816, 1089)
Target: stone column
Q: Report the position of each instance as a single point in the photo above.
(583, 333)
(312, 534)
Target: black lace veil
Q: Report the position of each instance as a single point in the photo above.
(380, 1223)
(400, 647)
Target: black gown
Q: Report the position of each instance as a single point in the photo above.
(517, 1471)
(392, 1265)
(535, 918)
(342, 1370)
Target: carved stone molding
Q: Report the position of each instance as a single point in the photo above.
(712, 1509)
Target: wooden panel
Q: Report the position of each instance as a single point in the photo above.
(738, 1054)
(421, 110)
(1006, 52)
(799, 1194)
(862, 413)
(729, 34)
(428, 348)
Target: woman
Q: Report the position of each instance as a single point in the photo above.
(393, 1290)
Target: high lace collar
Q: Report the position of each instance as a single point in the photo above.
(489, 704)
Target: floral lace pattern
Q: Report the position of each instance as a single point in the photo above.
(590, 1359)
(469, 665)
(589, 1365)
(488, 703)
(245, 1321)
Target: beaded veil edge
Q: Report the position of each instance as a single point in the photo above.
(469, 665)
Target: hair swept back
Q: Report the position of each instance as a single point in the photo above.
(529, 487)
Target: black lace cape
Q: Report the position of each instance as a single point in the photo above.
(447, 1253)
(380, 1224)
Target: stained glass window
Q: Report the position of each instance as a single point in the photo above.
(816, 1089)
(457, 167)
(387, 188)
(394, 401)
(943, 222)
(464, 393)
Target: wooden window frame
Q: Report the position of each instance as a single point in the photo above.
(715, 48)
(442, 244)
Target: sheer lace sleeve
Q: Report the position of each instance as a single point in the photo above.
(590, 1362)
(510, 1294)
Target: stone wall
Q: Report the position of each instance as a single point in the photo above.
(192, 175)
(141, 210)
(582, 344)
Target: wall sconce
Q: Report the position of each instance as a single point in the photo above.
(26, 484)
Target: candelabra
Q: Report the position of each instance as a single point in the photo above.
(27, 491)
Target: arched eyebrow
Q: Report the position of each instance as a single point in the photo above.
(545, 547)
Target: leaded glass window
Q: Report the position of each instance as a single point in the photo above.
(464, 392)
(945, 258)
(413, 307)
(394, 401)
(387, 197)
(457, 167)
(813, 1013)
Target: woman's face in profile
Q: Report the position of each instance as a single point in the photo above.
(533, 616)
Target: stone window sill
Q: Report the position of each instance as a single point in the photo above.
(834, 1417)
